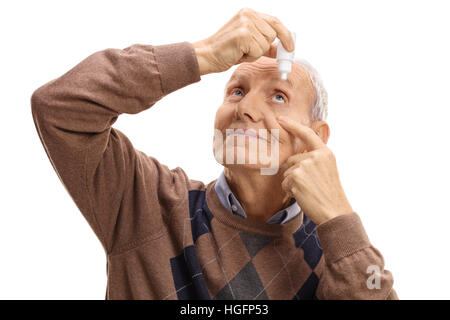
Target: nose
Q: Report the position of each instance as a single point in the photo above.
(249, 108)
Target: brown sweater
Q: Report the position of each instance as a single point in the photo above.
(167, 236)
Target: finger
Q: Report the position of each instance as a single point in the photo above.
(255, 45)
(290, 170)
(286, 185)
(266, 30)
(269, 33)
(259, 45)
(296, 158)
(306, 134)
(272, 52)
(283, 33)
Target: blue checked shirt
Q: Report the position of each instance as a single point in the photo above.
(230, 202)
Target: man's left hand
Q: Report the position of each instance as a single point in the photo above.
(312, 177)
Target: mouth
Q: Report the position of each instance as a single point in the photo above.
(251, 133)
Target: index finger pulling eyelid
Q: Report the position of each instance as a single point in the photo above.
(305, 133)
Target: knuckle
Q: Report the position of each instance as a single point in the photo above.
(244, 20)
(276, 21)
(285, 184)
(298, 171)
(265, 47)
(243, 32)
(314, 154)
(272, 35)
(258, 51)
(292, 162)
(245, 11)
(308, 162)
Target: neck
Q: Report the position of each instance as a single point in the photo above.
(261, 196)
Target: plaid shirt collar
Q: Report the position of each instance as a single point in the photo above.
(230, 202)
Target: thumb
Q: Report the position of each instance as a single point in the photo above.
(246, 58)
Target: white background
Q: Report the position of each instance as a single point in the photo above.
(385, 65)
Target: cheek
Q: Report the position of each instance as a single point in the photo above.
(286, 150)
(222, 121)
(289, 148)
(224, 117)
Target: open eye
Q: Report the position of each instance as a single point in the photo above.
(278, 96)
(237, 90)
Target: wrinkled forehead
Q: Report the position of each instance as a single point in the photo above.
(266, 69)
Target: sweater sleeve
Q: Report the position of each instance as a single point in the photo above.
(353, 269)
(124, 195)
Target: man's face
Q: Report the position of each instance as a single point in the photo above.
(254, 97)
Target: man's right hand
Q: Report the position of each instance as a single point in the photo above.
(246, 37)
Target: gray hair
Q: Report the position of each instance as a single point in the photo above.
(319, 110)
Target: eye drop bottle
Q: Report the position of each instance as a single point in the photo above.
(285, 59)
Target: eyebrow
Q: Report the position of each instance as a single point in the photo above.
(273, 79)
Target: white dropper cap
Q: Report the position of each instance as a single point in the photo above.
(285, 59)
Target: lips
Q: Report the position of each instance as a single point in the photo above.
(242, 132)
(252, 133)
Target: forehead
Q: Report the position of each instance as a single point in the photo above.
(266, 69)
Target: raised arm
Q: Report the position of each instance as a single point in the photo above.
(97, 164)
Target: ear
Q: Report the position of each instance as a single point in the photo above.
(322, 129)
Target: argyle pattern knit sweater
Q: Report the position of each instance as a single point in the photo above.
(167, 236)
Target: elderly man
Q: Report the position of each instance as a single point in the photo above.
(291, 234)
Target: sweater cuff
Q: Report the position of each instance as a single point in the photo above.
(342, 236)
(177, 64)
